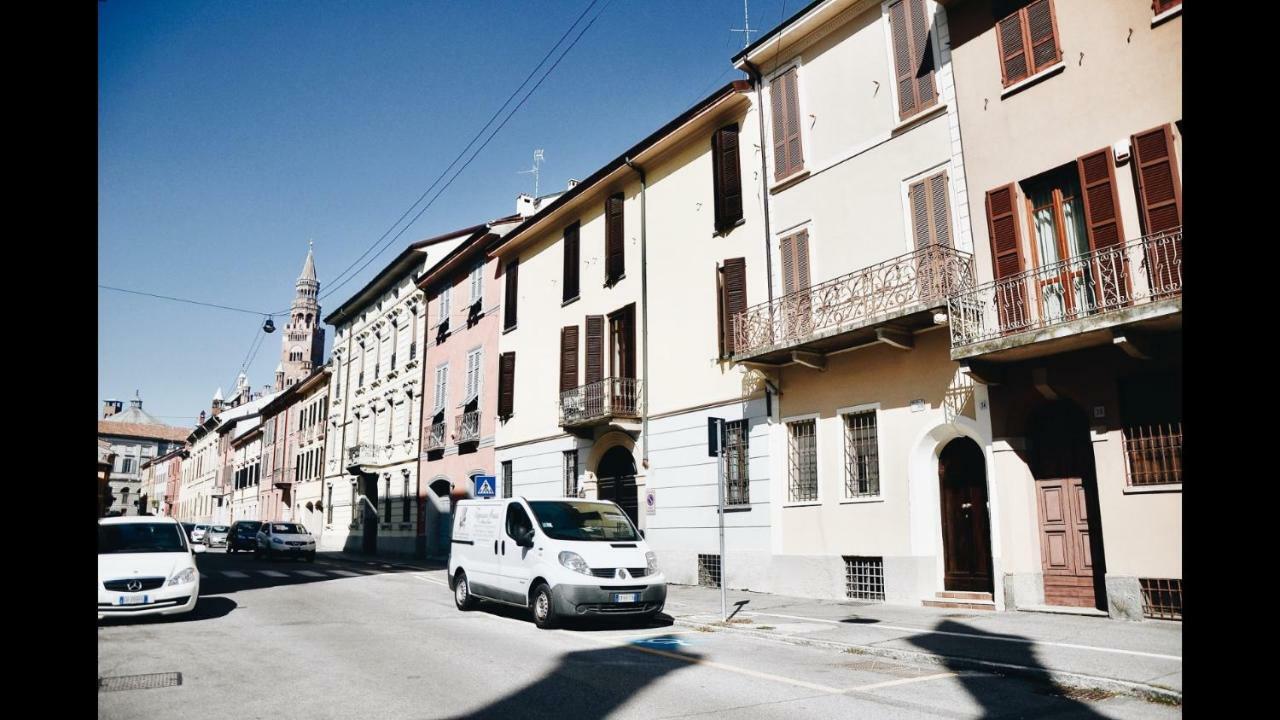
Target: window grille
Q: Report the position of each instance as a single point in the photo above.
(709, 570)
(864, 578)
(1153, 454)
(802, 461)
(1161, 598)
(571, 473)
(861, 455)
(737, 456)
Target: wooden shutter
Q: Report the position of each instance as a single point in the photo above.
(926, 93)
(1002, 224)
(795, 156)
(629, 337)
(1101, 203)
(571, 262)
(1013, 50)
(568, 358)
(930, 211)
(509, 318)
(727, 177)
(1156, 173)
(787, 151)
(614, 257)
(506, 384)
(1028, 41)
(912, 57)
(799, 275)
(777, 94)
(1159, 6)
(595, 349)
(735, 299)
(1042, 34)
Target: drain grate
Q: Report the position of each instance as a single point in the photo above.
(139, 682)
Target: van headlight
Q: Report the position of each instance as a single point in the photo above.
(183, 576)
(574, 562)
(652, 560)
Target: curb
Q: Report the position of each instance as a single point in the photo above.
(1079, 681)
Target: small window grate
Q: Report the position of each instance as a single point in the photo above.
(864, 578)
(861, 455)
(1154, 454)
(709, 570)
(737, 455)
(1162, 598)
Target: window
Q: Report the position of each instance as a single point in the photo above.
(404, 501)
(861, 455)
(506, 384)
(614, 246)
(473, 375)
(572, 262)
(506, 478)
(570, 473)
(395, 342)
(1160, 6)
(802, 461)
(518, 522)
(622, 342)
(788, 156)
(1161, 598)
(477, 283)
(408, 413)
(355, 516)
(329, 507)
(731, 289)
(864, 578)
(386, 503)
(909, 24)
(930, 211)
(1151, 413)
(1058, 229)
(445, 308)
(509, 311)
(726, 178)
(709, 570)
(442, 386)
(413, 333)
(568, 358)
(127, 465)
(737, 459)
(1027, 39)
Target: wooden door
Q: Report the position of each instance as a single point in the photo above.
(966, 533)
(1066, 546)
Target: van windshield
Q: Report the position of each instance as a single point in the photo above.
(574, 520)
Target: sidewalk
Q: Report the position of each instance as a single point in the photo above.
(1143, 658)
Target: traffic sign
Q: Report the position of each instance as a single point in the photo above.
(486, 486)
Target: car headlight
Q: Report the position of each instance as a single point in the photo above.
(278, 541)
(183, 576)
(652, 561)
(574, 562)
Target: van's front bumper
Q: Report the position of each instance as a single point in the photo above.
(581, 600)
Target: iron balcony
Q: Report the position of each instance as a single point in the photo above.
(601, 402)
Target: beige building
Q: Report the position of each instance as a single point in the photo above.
(878, 444)
(1071, 114)
(613, 344)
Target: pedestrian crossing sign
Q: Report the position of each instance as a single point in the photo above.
(486, 486)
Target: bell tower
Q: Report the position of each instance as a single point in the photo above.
(302, 343)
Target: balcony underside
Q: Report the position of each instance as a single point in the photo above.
(1161, 316)
(895, 328)
(595, 427)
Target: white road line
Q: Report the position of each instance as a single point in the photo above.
(431, 580)
(975, 636)
(656, 633)
(902, 681)
(272, 573)
(345, 573)
(234, 574)
(311, 573)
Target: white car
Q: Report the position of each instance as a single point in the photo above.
(560, 558)
(146, 566)
(285, 539)
(197, 534)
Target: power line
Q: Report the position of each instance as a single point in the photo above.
(192, 302)
(339, 282)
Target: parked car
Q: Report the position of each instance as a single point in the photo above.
(590, 559)
(289, 539)
(146, 566)
(243, 535)
(216, 536)
(197, 533)
(188, 528)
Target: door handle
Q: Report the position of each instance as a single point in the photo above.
(504, 547)
(965, 506)
(495, 547)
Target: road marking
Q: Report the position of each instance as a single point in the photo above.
(656, 633)
(272, 573)
(977, 636)
(234, 574)
(345, 573)
(902, 681)
(311, 573)
(431, 580)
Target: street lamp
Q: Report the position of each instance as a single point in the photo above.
(268, 326)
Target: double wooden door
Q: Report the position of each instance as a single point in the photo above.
(1066, 542)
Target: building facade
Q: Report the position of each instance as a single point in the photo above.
(160, 477)
(293, 452)
(1076, 326)
(135, 437)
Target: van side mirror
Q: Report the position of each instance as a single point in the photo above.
(525, 540)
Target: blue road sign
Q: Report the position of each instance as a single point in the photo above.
(486, 486)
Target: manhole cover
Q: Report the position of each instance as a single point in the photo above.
(139, 682)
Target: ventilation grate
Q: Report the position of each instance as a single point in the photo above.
(139, 682)
(709, 570)
(864, 578)
(1161, 598)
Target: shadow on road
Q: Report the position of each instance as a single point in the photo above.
(586, 685)
(993, 692)
(228, 573)
(207, 608)
(584, 624)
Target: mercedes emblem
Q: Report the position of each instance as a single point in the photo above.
(133, 585)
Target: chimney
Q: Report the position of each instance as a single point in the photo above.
(525, 205)
(572, 184)
(111, 407)
(136, 402)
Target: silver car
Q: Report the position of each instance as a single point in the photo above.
(285, 539)
(216, 536)
(197, 533)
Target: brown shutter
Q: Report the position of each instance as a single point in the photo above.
(904, 69)
(1002, 224)
(788, 251)
(1013, 50)
(735, 299)
(1101, 203)
(568, 357)
(509, 317)
(795, 156)
(571, 263)
(629, 334)
(1042, 34)
(939, 207)
(595, 349)
(614, 257)
(922, 60)
(1156, 173)
(802, 260)
(919, 198)
(506, 384)
(777, 94)
(727, 178)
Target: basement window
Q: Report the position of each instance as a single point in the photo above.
(864, 578)
(709, 570)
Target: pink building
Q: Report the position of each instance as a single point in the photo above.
(459, 379)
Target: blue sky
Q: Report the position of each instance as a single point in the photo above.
(231, 133)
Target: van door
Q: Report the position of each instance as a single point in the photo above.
(516, 561)
(475, 537)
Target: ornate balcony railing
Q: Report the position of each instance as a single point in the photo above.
(436, 437)
(915, 281)
(466, 427)
(608, 398)
(1109, 280)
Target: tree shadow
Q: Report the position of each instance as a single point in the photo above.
(588, 684)
(994, 693)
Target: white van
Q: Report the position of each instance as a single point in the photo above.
(562, 558)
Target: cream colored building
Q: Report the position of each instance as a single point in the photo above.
(878, 445)
(613, 330)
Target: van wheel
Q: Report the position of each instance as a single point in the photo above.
(462, 596)
(544, 611)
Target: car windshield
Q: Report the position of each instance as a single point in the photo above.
(247, 528)
(574, 520)
(288, 528)
(202, 527)
(140, 538)
(218, 528)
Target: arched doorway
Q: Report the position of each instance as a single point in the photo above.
(966, 520)
(616, 481)
(1061, 458)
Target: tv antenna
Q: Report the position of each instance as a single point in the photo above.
(746, 29)
(535, 170)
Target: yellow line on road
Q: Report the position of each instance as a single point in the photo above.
(903, 681)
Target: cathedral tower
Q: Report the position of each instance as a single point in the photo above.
(302, 345)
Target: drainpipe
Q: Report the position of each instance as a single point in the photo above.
(644, 315)
(758, 79)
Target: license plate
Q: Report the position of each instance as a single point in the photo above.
(133, 600)
(626, 597)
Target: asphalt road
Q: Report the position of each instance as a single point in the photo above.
(336, 639)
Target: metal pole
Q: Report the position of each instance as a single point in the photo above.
(724, 597)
